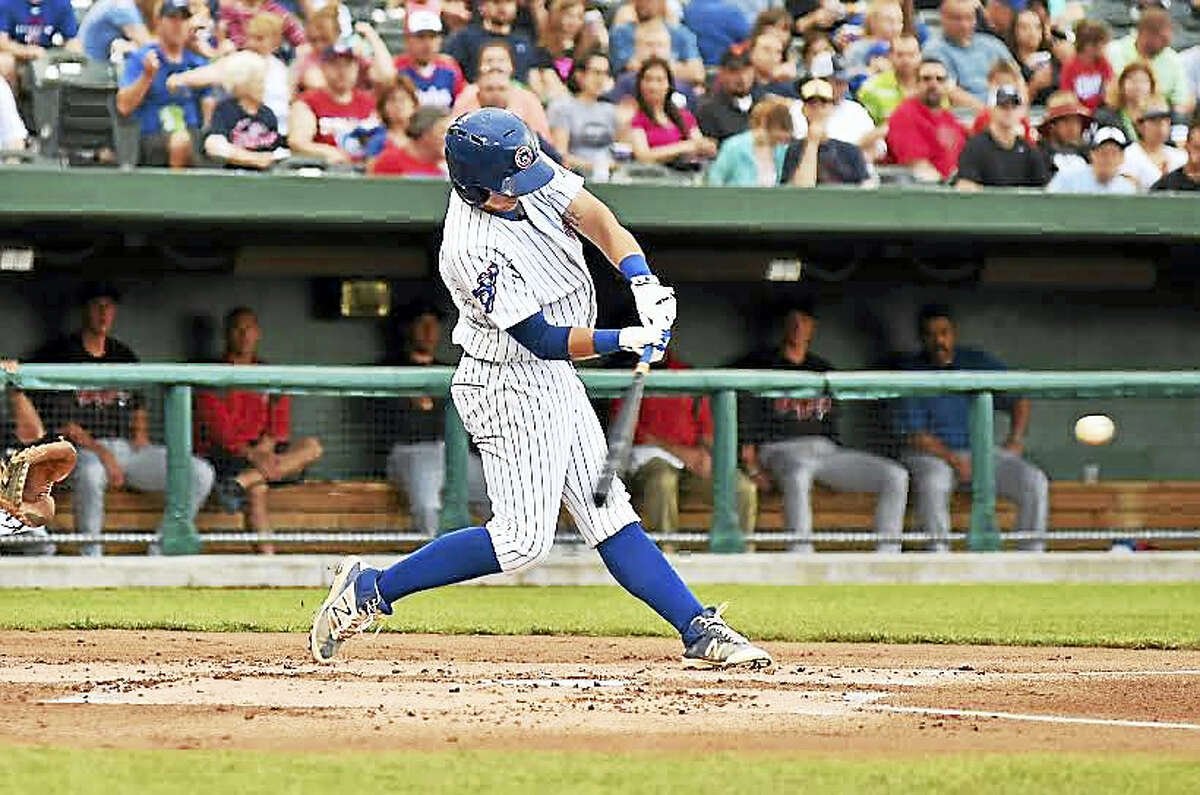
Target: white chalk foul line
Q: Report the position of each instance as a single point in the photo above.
(972, 713)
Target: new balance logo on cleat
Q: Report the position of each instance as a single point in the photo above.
(717, 645)
(351, 607)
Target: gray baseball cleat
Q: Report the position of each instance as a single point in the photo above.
(350, 608)
(718, 645)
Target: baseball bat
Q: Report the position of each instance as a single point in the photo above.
(620, 436)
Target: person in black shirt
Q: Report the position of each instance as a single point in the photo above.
(109, 427)
(417, 465)
(726, 111)
(243, 131)
(1187, 176)
(1000, 156)
(496, 22)
(830, 161)
(790, 442)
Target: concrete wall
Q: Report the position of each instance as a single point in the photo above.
(170, 317)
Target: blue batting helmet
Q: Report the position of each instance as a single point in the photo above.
(492, 150)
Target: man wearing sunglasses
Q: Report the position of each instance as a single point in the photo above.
(818, 159)
(922, 132)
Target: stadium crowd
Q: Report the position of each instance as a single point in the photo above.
(1007, 93)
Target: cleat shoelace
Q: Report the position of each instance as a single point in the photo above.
(716, 627)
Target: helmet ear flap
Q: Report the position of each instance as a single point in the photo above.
(472, 194)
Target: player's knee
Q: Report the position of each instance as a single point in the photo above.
(659, 479)
(203, 476)
(895, 479)
(530, 557)
(312, 446)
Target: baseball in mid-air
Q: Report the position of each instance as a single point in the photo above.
(1095, 429)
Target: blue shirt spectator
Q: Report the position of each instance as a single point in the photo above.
(944, 416)
(717, 24)
(969, 63)
(737, 164)
(163, 111)
(107, 21)
(43, 23)
(620, 45)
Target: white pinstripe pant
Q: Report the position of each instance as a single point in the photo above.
(541, 445)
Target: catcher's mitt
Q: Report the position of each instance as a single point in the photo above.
(27, 478)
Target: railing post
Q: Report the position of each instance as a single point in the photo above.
(178, 533)
(982, 535)
(726, 533)
(455, 513)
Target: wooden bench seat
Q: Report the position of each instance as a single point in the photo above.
(363, 506)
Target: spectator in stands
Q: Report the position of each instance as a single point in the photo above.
(1000, 156)
(437, 77)
(755, 157)
(1089, 72)
(815, 16)
(496, 22)
(423, 154)
(726, 111)
(1190, 59)
(922, 133)
(685, 54)
(1127, 98)
(29, 27)
(395, 106)
(881, 93)
(1030, 45)
(966, 53)
(334, 123)
(417, 463)
(1061, 132)
(848, 121)
(1005, 73)
(235, 16)
(243, 131)
(1151, 42)
(582, 126)
(110, 21)
(672, 452)
(109, 428)
(246, 435)
(651, 39)
(936, 430)
(1187, 176)
(717, 24)
(170, 120)
(662, 132)
(13, 133)
(884, 25)
(766, 56)
(202, 36)
(324, 30)
(818, 158)
(564, 36)
(495, 68)
(1104, 173)
(1151, 157)
(790, 442)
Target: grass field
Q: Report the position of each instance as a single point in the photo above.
(1130, 616)
(186, 772)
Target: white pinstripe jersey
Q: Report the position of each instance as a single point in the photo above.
(500, 272)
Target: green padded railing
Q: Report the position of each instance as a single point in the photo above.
(179, 380)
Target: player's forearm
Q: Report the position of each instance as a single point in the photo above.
(929, 444)
(27, 424)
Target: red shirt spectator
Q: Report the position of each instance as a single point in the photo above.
(230, 421)
(234, 16)
(397, 162)
(674, 419)
(1087, 80)
(917, 132)
(336, 121)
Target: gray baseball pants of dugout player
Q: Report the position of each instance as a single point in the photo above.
(795, 463)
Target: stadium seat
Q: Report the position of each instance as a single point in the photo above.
(72, 97)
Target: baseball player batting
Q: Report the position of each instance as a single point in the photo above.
(513, 262)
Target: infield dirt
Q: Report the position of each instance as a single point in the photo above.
(157, 689)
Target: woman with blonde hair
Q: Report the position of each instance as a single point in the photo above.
(1127, 98)
(243, 131)
(884, 24)
(755, 157)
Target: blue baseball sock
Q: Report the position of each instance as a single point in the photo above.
(455, 557)
(636, 562)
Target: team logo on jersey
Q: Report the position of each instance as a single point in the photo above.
(485, 292)
(524, 157)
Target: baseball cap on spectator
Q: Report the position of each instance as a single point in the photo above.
(879, 49)
(1016, 5)
(1007, 96)
(1159, 112)
(93, 290)
(1061, 105)
(735, 58)
(175, 8)
(816, 88)
(1109, 135)
(423, 20)
(342, 48)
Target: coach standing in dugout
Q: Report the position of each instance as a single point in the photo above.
(790, 442)
(939, 441)
(109, 427)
